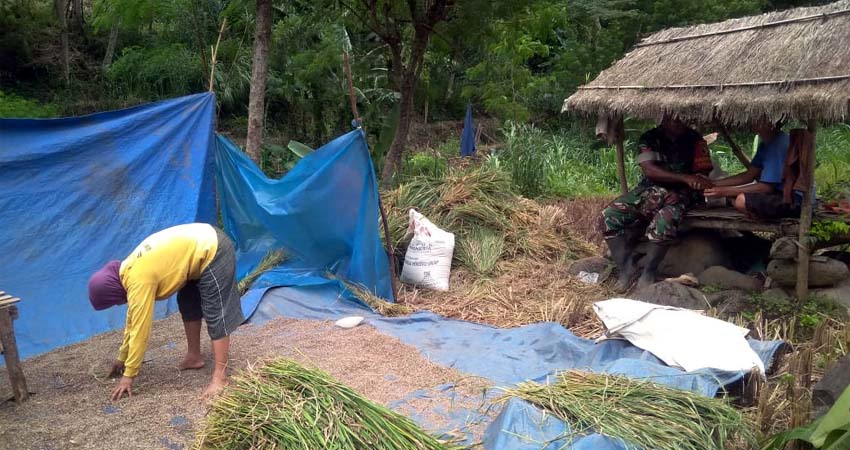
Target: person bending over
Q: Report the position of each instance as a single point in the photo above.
(198, 262)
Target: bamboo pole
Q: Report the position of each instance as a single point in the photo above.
(719, 85)
(621, 163)
(352, 96)
(214, 53)
(804, 251)
(736, 149)
(820, 16)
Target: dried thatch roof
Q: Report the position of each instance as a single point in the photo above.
(793, 63)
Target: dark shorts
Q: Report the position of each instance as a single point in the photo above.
(770, 206)
(213, 297)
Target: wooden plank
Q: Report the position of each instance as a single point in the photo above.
(10, 354)
(9, 301)
(718, 224)
(806, 223)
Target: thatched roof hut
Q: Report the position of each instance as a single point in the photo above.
(791, 64)
(788, 64)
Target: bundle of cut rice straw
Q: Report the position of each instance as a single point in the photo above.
(642, 414)
(283, 405)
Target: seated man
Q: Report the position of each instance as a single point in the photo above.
(670, 156)
(762, 198)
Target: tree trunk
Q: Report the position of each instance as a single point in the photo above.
(392, 163)
(61, 7)
(259, 67)
(77, 10)
(110, 46)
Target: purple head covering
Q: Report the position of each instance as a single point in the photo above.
(105, 288)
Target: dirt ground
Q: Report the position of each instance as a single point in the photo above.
(70, 408)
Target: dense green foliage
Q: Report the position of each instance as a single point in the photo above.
(515, 60)
(512, 59)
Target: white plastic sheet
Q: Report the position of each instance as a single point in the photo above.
(680, 337)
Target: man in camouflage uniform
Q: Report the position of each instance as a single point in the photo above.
(670, 157)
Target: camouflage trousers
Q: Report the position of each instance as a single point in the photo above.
(660, 207)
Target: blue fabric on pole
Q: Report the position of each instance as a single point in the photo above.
(467, 139)
(323, 213)
(80, 191)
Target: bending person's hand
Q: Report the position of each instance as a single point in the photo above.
(125, 385)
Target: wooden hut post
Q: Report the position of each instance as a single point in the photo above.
(621, 163)
(805, 246)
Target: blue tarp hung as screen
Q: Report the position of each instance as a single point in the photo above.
(78, 192)
(467, 138)
(323, 213)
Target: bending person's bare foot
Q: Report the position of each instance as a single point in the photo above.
(191, 362)
(215, 386)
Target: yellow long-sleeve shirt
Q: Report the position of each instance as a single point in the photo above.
(156, 269)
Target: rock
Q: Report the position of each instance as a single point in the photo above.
(724, 278)
(831, 386)
(839, 294)
(776, 300)
(595, 264)
(694, 252)
(823, 272)
(671, 294)
(841, 256)
(730, 302)
(784, 248)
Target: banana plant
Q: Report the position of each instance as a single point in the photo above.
(829, 432)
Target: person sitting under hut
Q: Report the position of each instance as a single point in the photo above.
(670, 157)
(758, 191)
(198, 262)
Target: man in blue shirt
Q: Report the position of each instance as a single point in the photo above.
(762, 198)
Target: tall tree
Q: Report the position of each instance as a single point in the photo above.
(406, 27)
(61, 9)
(77, 14)
(259, 68)
(110, 45)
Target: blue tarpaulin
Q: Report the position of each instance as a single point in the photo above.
(78, 192)
(467, 138)
(323, 213)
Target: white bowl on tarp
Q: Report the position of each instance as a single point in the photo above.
(349, 322)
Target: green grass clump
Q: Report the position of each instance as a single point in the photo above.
(481, 250)
(643, 414)
(283, 405)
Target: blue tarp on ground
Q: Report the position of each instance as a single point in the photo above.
(78, 192)
(323, 213)
(503, 356)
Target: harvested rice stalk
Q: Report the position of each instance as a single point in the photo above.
(272, 259)
(283, 405)
(383, 307)
(466, 199)
(481, 250)
(643, 414)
